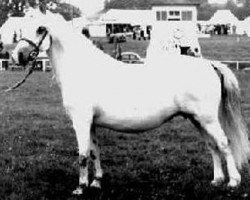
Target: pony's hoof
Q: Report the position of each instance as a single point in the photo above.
(233, 183)
(96, 184)
(79, 190)
(217, 182)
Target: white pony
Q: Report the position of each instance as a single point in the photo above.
(100, 91)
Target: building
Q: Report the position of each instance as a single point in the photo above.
(133, 17)
(175, 24)
(175, 10)
(120, 20)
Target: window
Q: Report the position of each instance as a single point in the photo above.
(186, 15)
(174, 13)
(158, 15)
(133, 57)
(161, 15)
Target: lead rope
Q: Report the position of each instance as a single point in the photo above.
(32, 57)
(18, 84)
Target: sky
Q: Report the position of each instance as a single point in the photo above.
(217, 1)
(88, 7)
(220, 1)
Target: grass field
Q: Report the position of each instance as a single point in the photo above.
(38, 150)
(216, 47)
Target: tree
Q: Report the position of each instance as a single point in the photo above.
(67, 11)
(5, 9)
(17, 7)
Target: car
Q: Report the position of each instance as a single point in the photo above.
(131, 58)
(117, 37)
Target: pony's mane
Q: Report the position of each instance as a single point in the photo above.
(64, 32)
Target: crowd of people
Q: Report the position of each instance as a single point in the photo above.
(141, 34)
(218, 29)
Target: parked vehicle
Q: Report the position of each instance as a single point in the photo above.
(117, 37)
(131, 58)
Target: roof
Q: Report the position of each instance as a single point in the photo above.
(147, 4)
(130, 4)
(224, 17)
(135, 17)
(176, 2)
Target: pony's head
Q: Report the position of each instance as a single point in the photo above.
(36, 37)
(27, 49)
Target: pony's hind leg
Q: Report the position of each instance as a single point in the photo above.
(95, 157)
(82, 125)
(215, 131)
(219, 176)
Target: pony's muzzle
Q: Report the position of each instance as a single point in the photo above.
(21, 59)
(18, 59)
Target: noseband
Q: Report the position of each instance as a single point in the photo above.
(35, 52)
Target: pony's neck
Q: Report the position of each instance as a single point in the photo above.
(68, 45)
(74, 49)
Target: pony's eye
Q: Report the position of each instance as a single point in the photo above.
(41, 30)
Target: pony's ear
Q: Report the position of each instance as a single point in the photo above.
(42, 8)
(41, 30)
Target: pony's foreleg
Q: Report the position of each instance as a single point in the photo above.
(95, 156)
(219, 176)
(82, 125)
(214, 129)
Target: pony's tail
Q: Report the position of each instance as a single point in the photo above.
(231, 117)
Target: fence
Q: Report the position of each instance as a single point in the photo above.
(4, 64)
(43, 64)
(238, 65)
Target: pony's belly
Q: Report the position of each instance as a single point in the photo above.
(133, 121)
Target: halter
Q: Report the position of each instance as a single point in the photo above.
(35, 52)
(31, 58)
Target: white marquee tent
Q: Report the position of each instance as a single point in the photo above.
(224, 17)
(11, 26)
(245, 26)
(97, 29)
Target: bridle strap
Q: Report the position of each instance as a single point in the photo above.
(35, 52)
(32, 57)
(43, 37)
(29, 41)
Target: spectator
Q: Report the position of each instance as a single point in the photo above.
(234, 29)
(1, 46)
(15, 37)
(149, 32)
(142, 36)
(85, 32)
(134, 35)
(118, 51)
